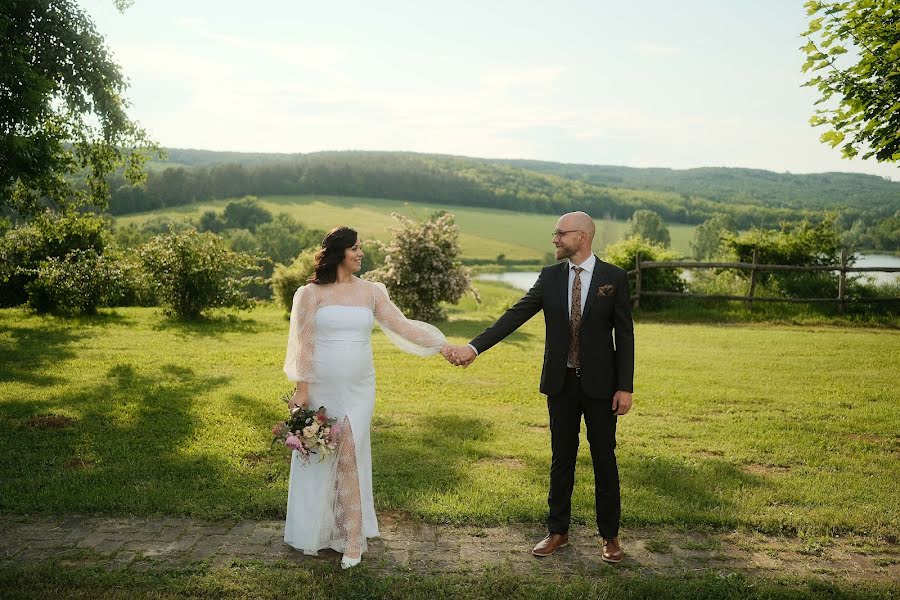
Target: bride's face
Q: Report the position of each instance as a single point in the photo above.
(353, 257)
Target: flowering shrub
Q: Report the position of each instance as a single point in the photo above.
(420, 267)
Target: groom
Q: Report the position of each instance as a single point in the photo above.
(586, 306)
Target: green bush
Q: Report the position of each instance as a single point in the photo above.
(47, 236)
(623, 254)
(287, 278)
(137, 289)
(192, 272)
(77, 283)
(803, 243)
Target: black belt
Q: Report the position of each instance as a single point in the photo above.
(576, 371)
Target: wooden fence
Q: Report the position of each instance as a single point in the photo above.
(754, 268)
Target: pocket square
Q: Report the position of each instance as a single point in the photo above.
(607, 289)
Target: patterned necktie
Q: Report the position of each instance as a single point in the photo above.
(575, 318)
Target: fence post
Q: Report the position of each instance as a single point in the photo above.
(637, 280)
(842, 282)
(752, 281)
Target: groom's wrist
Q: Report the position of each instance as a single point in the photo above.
(474, 349)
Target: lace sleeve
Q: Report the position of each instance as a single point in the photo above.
(298, 363)
(414, 337)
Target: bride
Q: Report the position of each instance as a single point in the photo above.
(329, 356)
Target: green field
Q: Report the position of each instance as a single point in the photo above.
(484, 232)
(770, 427)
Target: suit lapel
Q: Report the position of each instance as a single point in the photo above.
(562, 277)
(596, 276)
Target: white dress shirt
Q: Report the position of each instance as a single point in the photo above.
(588, 266)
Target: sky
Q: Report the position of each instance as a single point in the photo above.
(644, 84)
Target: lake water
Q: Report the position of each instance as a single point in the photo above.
(523, 280)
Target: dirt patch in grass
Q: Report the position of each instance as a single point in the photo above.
(764, 470)
(504, 461)
(50, 422)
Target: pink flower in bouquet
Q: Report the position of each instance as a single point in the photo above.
(278, 429)
(293, 442)
(336, 429)
(321, 418)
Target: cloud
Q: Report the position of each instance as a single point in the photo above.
(522, 77)
(323, 59)
(649, 49)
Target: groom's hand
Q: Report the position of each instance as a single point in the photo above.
(621, 402)
(465, 355)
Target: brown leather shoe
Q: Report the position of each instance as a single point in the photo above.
(612, 551)
(549, 544)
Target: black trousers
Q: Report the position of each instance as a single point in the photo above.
(565, 410)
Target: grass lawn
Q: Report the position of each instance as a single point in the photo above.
(484, 232)
(772, 427)
(312, 582)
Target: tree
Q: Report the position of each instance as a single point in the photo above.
(246, 213)
(709, 236)
(283, 238)
(420, 267)
(867, 114)
(62, 111)
(650, 226)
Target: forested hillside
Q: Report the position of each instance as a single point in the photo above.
(740, 186)
(757, 198)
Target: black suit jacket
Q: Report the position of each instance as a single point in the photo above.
(605, 368)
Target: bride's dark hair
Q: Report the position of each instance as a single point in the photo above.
(331, 254)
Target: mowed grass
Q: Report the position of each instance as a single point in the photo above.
(484, 232)
(314, 580)
(771, 427)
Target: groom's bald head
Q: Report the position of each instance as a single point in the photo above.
(580, 221)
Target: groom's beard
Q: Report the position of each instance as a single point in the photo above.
(563, 252)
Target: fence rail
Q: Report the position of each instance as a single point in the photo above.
(755, 267)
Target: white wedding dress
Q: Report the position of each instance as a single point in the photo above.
(330, 503)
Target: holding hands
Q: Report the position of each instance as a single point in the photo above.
(461, 356)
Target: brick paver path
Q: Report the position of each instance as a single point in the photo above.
(406, 544)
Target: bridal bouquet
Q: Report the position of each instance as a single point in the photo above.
(308, 432)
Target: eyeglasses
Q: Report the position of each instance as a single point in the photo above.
(558, 233)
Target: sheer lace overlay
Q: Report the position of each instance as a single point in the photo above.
(414, 337)
(331, 504)
(347, 506)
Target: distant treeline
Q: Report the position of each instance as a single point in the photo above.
(814, 191)
(438, 179)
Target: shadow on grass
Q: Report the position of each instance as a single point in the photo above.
(29, 352)
(692, 494)
(214, 326)
(133, 450)
(432, 458)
